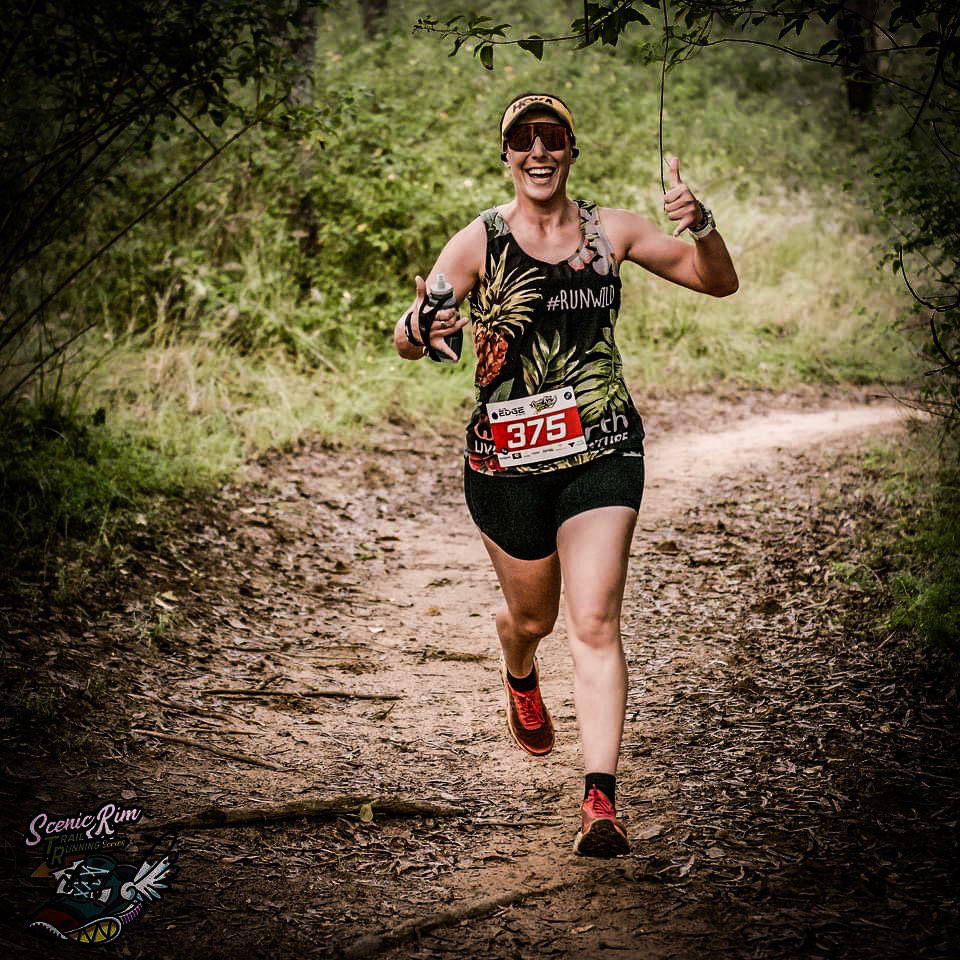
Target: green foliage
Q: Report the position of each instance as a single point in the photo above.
(919, 72)
(69, 477)
(911, 534)
(925, 594)
(85, 93)
(920, 199)
(258, 304)
(234, 264)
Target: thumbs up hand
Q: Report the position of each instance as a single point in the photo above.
(679, 203)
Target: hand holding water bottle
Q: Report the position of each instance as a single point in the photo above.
(438, 322)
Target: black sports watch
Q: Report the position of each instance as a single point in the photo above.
(408, 329)
(706, 224)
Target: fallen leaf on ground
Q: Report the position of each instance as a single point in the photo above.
(651, 831)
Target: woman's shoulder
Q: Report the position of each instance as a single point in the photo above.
(470, 234)
(601, 218)
(618, 221)
(494, 221)
(625, 229)
(618, 214)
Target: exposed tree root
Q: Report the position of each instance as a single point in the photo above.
(213, 817)
(375, 942)
(345, 694)
(219, 751)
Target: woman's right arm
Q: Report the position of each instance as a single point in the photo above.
(461, 262)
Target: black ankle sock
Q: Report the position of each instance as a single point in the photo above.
(605, 782)
(523, 684)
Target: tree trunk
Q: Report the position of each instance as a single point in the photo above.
(303, 218)
(304, 49)
(859, 38)
(373, 12)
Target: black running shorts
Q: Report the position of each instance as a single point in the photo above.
(521, 514)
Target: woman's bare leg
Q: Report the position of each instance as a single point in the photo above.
(594, 548)
(531, 593)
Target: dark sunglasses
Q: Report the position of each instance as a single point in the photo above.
(554, 136)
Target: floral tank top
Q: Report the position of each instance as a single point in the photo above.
(545, 331)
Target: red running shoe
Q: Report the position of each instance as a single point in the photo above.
(601, 833)
(527, 717)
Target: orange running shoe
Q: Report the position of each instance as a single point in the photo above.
(601, 833)
(527, 717)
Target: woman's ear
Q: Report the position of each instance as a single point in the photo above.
(574, 153)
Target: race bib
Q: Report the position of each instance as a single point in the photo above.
(533, 429)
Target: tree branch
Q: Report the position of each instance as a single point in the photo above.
(811, 11)
(916, 296)
(445, 32)
(102, 249)
(812, 58)
(15, 42)
(951, 362)
(937, 67)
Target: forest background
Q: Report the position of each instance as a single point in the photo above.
(212, 215)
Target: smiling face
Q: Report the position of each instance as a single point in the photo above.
(538, 173)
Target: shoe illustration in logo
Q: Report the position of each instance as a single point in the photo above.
(97, 896)
(543, 403)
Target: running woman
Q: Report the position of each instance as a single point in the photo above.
(553, 471)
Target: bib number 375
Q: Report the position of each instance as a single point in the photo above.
(545, 426)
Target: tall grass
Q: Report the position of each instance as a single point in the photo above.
(912, 488)
(811, 307)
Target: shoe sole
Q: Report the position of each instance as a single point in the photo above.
(513, 733)
(603, 839)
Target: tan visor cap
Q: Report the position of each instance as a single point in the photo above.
(531, 102)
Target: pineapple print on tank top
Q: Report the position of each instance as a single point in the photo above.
(540, 327)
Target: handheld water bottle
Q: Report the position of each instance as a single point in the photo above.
(441, 297)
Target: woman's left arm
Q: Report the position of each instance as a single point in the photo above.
(704, 266)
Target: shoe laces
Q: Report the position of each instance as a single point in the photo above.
(529, 707)
(600, 803)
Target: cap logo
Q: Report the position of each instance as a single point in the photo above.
(528, 102)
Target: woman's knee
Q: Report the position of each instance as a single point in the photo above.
(598, 629)
(531, 624)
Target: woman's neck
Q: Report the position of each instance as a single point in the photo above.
(543, 218)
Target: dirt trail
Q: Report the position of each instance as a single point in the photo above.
(761, 753)
(680, 466)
